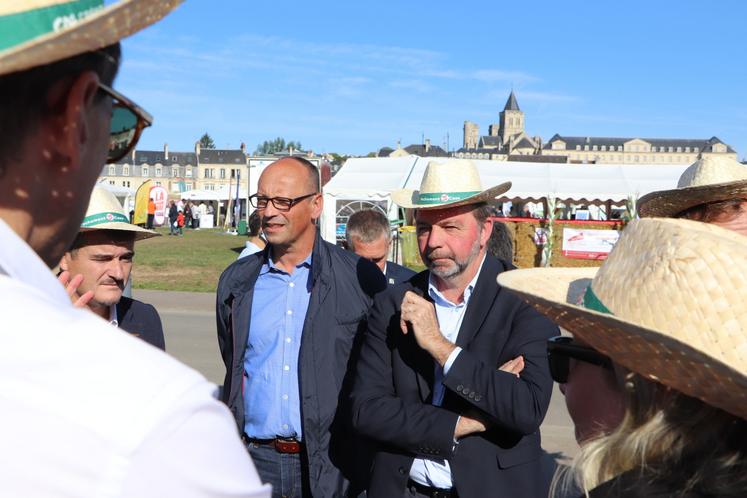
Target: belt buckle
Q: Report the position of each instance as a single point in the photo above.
(287, 446)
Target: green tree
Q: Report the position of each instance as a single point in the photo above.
(206, 142)
(277, 145)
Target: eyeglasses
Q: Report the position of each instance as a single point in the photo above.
(561, 349)
(280, 203)
(128, 122)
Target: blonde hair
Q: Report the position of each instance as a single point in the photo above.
(675, 439)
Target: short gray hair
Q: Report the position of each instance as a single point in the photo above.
(367, 225)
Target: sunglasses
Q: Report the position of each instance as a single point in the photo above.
(128, 122)
(561, 349)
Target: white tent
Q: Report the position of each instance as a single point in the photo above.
(373, 179)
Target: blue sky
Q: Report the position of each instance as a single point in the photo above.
(351, 77)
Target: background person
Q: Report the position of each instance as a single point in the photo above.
(369, 235)
(87, 411)
(655, 378)
(151, 213)
(255, 242)
(500, 244)
(711, 190)
(102, 254)
(288, 319)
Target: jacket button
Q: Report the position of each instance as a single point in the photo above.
(478, 397)
(460, 387)
(465, 391)
(471, 395)
(401, 470)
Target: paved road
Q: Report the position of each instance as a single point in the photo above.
(189, 327)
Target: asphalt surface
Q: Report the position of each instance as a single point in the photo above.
(189, 326)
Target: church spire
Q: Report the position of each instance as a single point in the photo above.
(511, 103)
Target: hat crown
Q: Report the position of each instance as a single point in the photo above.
(711, 170)
(103, 201)
(685, 279)
(453, 176)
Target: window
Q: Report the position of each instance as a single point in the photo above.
(586, 147)
(687, 149)
(578, 147)
(126, 170)
(635, 159)
(671, 149)
(145, 171)
(679, 149)
(175, 172)
(158, 171)
(112, 171)
(595, 148)
(158, 184)
(188, 172)
(126, 183)
(604, 148)
(111, 182)
(695, 149)
(223, 173)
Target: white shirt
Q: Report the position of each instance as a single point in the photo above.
(89, 411)
(437, 473)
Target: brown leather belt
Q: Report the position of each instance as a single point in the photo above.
(282, 445)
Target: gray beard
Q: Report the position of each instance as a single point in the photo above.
(458, 267)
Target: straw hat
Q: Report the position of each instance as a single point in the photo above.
(669, 303)
(105, 213)
(710, 179)
(453, 183)
(38, 32)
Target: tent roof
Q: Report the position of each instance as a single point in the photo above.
(581, 182)
(363, 178)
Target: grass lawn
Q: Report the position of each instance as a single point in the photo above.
(192, 262)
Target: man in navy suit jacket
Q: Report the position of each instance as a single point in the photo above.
(452, 380)
(369, 235)
(96, 269)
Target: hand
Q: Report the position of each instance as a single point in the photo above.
(514, 366)
(468, 425)
(420, 314)
(71, 286)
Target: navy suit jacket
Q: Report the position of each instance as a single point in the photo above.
(394, 381)
(140, 320)
(397, 274)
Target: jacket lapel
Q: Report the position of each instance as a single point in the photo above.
(480, 302)
(424, 365)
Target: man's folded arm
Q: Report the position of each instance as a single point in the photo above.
(516, 403)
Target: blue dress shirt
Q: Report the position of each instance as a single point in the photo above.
(271, 392)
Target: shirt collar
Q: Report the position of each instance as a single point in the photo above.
(21, 263)
(438, 297)
(270, 265)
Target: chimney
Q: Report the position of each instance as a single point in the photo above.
(427, 144)
(243, 147)
(132, 154)
(166, 152)
(197, 147)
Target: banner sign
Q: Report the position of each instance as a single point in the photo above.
(588, 244)
(161, 197)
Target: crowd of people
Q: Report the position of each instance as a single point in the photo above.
(345, 374)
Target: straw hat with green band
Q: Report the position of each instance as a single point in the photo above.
(450, 184)
(38, 32)
(670, 303)
(709, 179)
(105, 213)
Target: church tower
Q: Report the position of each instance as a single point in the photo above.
(512, 119)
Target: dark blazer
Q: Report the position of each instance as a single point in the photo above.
(141, 320)
(397, 274)
(394, 380)
(342, 291)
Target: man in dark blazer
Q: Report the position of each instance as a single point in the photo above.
(452, 380)
(97, 267)
(369, 235)
(289, 322)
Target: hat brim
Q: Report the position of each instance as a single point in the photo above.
(407, 198)
(140, 233)
(651, 353)
(103, 28)
(668, 203)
